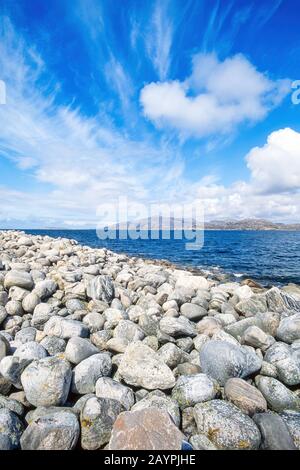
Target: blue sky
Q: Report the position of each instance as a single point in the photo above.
(158, 101)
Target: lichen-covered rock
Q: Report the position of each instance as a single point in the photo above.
(140, 366)
(193, 389)
(97, 419)
(55, 431)
(226, 426)
(47, 381)
(11, 430)
(292, 421)
(147, 429)
(278, 396)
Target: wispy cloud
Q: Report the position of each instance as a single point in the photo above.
(159, 39)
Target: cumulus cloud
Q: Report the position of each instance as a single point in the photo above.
(215, 98)
(275, 167)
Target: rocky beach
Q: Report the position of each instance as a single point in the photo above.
(103, 351)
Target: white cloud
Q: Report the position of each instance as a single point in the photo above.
(275, 167)
(159, 39)
(216, 98)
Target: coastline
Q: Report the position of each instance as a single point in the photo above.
(100, 350)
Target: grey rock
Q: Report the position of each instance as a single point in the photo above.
(11, 430)
(42, 313)
(97, 419)
(226, 426)
(201, 442)
(157, 399)
(30, 351)
(53, 345)
(140, 366)
(64, 328)
(109, 388)
(278, 396)
(101, 288)
(12, 405)
(94, 321)
(252, 306)
(4, 347)
(193, 389)
(14, 307)
(88, 371)
(55, 431)
(289, 329)
(175, 327)
(11, 369)
(79, 349)
(171, 355)
(47, 381)
(45, 289)
(222, 360)
(274, 432)
(292, 420)
(193, 312)
(246, 397)
(30, 302)
(254, 336)
(19, 279)
(25, 335)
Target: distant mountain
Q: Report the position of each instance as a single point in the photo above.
(163, 223)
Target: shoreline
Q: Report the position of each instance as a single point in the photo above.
(101, 350)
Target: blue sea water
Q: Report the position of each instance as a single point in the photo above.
(269, 257)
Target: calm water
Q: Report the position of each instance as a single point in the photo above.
(268, 257)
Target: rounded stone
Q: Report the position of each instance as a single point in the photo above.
(109, 388)
(11, 430)
(88, 371)
(246, 397)
(193, 389)
(47, 382)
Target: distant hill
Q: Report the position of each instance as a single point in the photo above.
(225, 224)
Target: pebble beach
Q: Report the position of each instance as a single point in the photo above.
(104, 351)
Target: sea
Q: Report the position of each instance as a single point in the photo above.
(268, 257)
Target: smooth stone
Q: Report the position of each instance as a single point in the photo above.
(252, 306)
(78, 349)
(97, 419)
(289, 329)
(246, 397)
(274, 432)
(53, 345)
(41, 314)
(19, 279)
(4, 347)
(193, 389)
(64, 328)
(30, 351)
(47, 381)
(56, 431)
(257, 338)
(94, 321)
(192, 311)
(45, 288)
(88, 371)
(140, 366)
(278, 396)
(26, 335)
(147, 429)
(222, 360)
(226, 426)
(30, 302)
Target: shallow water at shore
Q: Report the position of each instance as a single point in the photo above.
(270, 257)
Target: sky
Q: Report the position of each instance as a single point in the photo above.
(157, 101)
